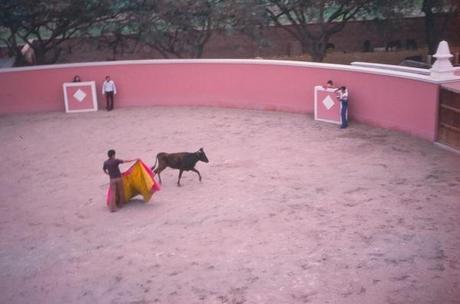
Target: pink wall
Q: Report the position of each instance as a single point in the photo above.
(389, 101)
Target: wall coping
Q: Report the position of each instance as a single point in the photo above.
(453, 87)
(391, 67)
(340, 67)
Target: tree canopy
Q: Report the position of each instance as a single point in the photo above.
(182, 28)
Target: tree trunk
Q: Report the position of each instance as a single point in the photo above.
(316, 48)
(430, 30)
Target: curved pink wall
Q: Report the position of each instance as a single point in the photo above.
(387, 100)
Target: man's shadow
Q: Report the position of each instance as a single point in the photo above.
(136, 203)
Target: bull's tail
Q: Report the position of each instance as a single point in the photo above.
(156, 160)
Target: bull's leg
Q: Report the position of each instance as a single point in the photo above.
(180, 175)
(156, 160)
(197, 172)
(158, 171)
(159, 177)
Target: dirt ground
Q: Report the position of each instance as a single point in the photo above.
(290, 210)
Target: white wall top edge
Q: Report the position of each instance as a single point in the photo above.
(452, 87)
(339, 67)
(79, 83)
(392, 67)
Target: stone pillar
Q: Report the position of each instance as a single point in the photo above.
(442, 68)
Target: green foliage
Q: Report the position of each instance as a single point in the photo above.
(182, 28)
(45, 25)
(329, 16)
(443, 10)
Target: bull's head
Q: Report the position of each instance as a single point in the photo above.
(202, 156)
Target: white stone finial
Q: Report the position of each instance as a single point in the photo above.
(442, 68)
(443, 50)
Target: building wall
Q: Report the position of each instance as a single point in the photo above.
(395, 100)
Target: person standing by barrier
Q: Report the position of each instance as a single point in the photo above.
(329, 85)
(342, 94)
(110, 167)
(109, 89)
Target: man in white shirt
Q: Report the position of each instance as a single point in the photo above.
(342, 95)
(109, 90)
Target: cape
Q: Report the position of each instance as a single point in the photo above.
(137, 180)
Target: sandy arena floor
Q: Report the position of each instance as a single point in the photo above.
(290, 210)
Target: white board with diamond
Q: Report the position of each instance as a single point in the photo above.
(80, 96)
(327, 106)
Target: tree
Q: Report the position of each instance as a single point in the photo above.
(437, 10)
(175, 28)
(117, 33)
(182, 28)
(313, 22)
(437, 13)
(387, 15)
(248, 17)
(46, 25)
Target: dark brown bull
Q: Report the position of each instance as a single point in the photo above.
(183, 161)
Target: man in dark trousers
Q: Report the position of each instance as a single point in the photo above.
(117, 199)
(109, 90)
(342, 95)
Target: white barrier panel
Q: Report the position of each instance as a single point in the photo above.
(327, 106)
(80, 96)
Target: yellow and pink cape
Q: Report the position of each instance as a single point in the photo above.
(138, 179)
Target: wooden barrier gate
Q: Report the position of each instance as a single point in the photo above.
(449, 117)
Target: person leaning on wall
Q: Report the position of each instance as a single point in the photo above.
(342, 95)
(109, 89)
(329, 85)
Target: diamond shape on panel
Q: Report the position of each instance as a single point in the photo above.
(328, 102)
(79, 95)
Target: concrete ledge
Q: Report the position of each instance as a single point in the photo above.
(391, 67)
(371, 68)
